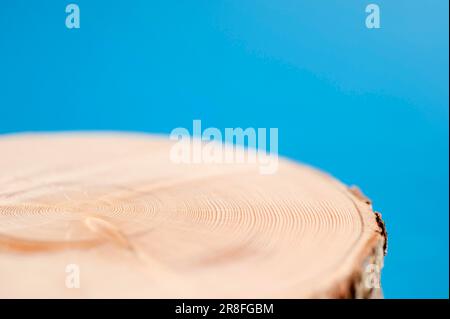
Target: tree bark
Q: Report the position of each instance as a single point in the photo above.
(110, 215)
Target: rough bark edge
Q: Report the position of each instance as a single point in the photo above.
(355, 286)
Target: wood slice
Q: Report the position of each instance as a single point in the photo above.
(113, 209)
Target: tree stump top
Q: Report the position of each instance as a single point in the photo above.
(131, 223)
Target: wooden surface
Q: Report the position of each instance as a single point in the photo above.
(138, 225)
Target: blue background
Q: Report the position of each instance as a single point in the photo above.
(369, 106)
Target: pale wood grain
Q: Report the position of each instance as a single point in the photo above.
(139, 225)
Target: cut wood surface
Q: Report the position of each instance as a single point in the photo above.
(115, 210)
